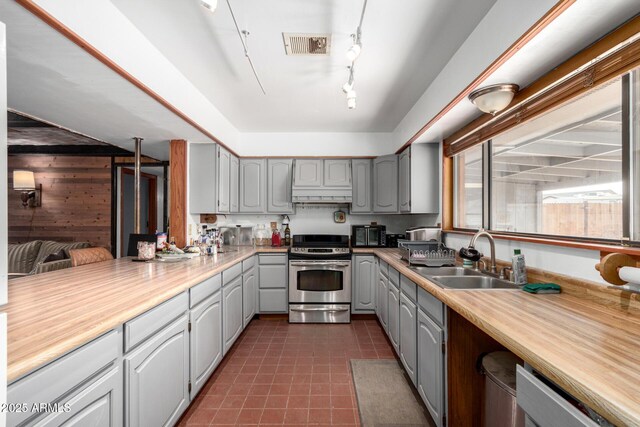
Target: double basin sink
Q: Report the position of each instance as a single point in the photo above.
(462, 278)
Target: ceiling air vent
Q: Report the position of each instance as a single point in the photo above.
(307, 44)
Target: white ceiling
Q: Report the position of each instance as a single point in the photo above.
(405, 45)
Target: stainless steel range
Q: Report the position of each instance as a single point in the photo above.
(320, 279)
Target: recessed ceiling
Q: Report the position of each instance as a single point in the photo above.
(405, 45)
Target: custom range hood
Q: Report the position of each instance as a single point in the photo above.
(321, 181)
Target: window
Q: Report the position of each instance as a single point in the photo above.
(468, 185)
(573, 171)
(561, 173)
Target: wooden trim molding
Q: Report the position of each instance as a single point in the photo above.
(540, 25)
(559, 241)
(178, 191)
(48, 19)
(610, 57)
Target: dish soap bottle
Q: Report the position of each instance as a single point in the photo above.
(519, 268)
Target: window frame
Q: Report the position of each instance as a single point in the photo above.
(615, 55)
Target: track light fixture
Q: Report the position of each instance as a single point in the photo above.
(349, 84)
(351, 99)
(211, 5)
(352, 54)
(354, 51)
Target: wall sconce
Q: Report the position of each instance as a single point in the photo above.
(493, 99)
(24, 181)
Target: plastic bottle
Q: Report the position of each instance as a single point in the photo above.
(519, 268)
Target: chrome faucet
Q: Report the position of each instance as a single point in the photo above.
(471, 249)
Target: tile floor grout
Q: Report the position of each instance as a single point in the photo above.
(289, 374)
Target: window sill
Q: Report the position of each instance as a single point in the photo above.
(594, 246)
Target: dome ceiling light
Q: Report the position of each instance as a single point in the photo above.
(495, 98)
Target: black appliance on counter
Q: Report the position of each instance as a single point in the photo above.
(320, 279)
(368, 236)
(392, 240)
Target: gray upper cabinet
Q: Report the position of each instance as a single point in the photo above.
(361, 202)
(385, 184)
(205, 340)
(337, 173)
(253, 185)
(203, 197)
(404, 180)
(308, 173)
(419, 179)
(430, 378)
(213, 179)
(224, 167)
(234, 184)
(279, 186)
(364, 281)
(232, 312)
(154, 394)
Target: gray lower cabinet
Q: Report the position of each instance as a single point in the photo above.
(98, 405)
(385, 184)
(232, 312)
(70, 378)
(234, 184)
(382, 303)
(430, 371)
(543, 405)
(273, 281)
(361, 199)
(408, 336)
(249, 295)
(205, 340)
(394, 317)
(253, 185)
(363, 284)
(279, 174)
(157, 376)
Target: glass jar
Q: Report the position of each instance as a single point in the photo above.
(262, 236)
(146, 250)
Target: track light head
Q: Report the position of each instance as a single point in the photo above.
(351, 99)
(211, 5)
(354, 52)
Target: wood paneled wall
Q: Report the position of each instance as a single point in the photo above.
(178, 191)
(76, 200)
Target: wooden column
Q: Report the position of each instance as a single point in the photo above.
(178, 191)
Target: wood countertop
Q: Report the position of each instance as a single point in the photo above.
(588, 345)
(50, 314)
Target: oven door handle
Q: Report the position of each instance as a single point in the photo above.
(320, 309)
(316, 263)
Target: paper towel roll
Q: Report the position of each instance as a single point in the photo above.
(630, 275)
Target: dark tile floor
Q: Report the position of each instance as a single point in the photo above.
(280, 373)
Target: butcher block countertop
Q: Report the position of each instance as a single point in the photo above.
(586, 340)
(52, 313)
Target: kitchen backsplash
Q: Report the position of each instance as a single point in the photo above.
(318, 219)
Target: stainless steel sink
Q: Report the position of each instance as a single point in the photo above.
(473, 282)
(444, 271)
